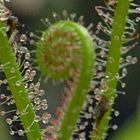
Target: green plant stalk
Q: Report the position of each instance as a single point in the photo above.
(76, 104)
(17, 87)
(113, 63)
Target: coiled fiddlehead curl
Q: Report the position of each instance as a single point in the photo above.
(66, 52)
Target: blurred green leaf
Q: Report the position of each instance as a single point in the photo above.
(130, 130)
(4, 132)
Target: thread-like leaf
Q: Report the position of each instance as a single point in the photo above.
(64, 37)
(17, 87)
(112, 67)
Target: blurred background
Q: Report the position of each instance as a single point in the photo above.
(30, 13)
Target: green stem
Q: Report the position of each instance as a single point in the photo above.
(76, 104)
(113, 63)
(17, 87)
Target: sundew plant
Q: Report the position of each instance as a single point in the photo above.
(90, 62)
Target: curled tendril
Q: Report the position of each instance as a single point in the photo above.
(66, 52)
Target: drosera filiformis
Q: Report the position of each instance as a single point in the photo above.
(65, 52)
(20, 94)
(62, 46)
(104, 60)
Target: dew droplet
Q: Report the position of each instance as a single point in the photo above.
(33, 73)
(12, 70)
(9, 121)
(44, 101)
(18, 83)
(38, 107)
(123, 93)
(20, 132)
(114, 127)
(12, 133)
(128, 58)
(44, 106)
(2, 96)
(137, 19)
(26, 65)
(124, 72)
(138, 10)
(102, 53)
(2, 113)
(37, 118)
(41, 92)
(27, 56)
(134, 60)
(37, 100)
(46, 117)
(15, 118)
(23, 38)
(117, 76)
(123, 85)
(116, 113)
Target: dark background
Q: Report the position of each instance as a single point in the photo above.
(30, 13)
